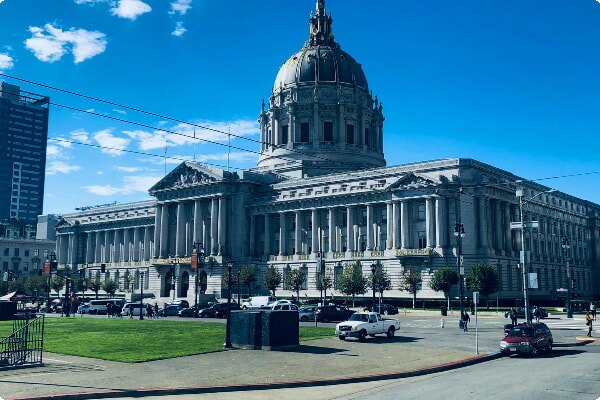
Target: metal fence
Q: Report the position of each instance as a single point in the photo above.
(25, 345)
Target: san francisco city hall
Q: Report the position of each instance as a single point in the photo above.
(321, 188)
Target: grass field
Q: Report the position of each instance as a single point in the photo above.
(132, 340)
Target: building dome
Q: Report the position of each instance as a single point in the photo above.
(322, 118)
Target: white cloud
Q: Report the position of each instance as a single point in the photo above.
(113, 145)
(131, 184)
(129, 169)
(91, 2)
(180, 6)
(130, 9)
(50, 43)
(179, 30)
(6, 62)
(81, 136)
(122, 112)
(60, 167)
(102, 190)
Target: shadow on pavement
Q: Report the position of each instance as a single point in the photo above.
(312, 350)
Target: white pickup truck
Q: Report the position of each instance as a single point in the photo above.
(369, 323)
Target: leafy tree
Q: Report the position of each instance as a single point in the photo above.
(35, 284)
(248, 277)
(352, 281)
(483, 279)
(323, 284)
(57, 283)
(272, 279)
(411, 282)
(442, 280)
(382, 279)
(295, 280)
(110, 287)
(94, 285)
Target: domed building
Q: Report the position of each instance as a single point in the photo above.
(321, 199)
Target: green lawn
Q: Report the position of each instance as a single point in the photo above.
(132, 340)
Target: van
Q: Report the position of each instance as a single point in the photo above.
(132, 307)
(99, 306)
(258, 301)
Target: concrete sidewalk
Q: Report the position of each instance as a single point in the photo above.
(421, 346)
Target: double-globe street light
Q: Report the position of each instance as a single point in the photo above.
(228, 307)
(373, 270)
(522, 225)
(197, 263)
(566, 245)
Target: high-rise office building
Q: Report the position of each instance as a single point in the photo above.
(23, 137)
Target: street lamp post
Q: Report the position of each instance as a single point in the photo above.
(459, 232)
(566, 245)
(174, 276)
(141, 272)
(198, 253)
(373, 269)
(228, 311)
(238, 285)
(523, 258)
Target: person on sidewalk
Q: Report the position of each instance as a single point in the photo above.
(593, 310)
(513, 316)
(466, 319)
(588, 322)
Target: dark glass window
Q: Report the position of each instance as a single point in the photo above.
(284, 134)
(328, 131)
(367, 138)
(304, 132)
(349, 134)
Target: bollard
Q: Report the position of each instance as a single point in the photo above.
(442, 322)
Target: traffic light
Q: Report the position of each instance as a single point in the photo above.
(575, 294)
(103, 268)
(573, 283)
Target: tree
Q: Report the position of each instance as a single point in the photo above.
(248, 277)
(382, 280)
(35, 284)
(483, 279)
(272, 279)
(323, 284)
(411, 282)
(110, 287)
(57, 283)
(352, 281)
(295, 280)
(94, 285)
(442, 280)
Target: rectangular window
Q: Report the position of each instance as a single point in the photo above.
(25, 266)
(26, 253)
(421, 211)
(349, 134)
(284, 134)
(422, 239)
(367, 139)
(328, 131)
(17, 252)
(304, 132)
(36, 252)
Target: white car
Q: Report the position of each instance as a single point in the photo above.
(362, 324)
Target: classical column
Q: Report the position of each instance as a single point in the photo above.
(396, 225)
(180, 236)
(483, 222)
(268, 233)
(315, 230)
(126, 245)
(252, 244)
(404, 221)
(157, 228)
(107, 246)
(117, 246)
(71, 249)
(389, 230)
(223, 226)
(298, 233)
(507, 230)
(89, 253)
(350, 228)
(370, 222)
(136, 245)
(214, 227)
(98, 248)
(499, 245)
(198, 221)
(164, 232)
(429, 222)
(282, 233)
(332, 230)
(440, 222)
(147, 235)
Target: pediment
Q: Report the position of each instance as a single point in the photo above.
(411, 181)
(186, 175)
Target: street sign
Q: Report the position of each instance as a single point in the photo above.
(532, 224)
(516, 225)
(476, 297)
(527, 224)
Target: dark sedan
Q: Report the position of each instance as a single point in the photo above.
(333, 313)
(385, 309)
(219, 310)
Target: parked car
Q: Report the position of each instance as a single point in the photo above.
(169, 310)
(333, 313)
(285, 307)
(370, 323)
(191, 311)
(306, 314)
(521, 312)
(133, 307)
(385, 309)
(527, 338)
(182, 303)
(83, 309)
(219, 310)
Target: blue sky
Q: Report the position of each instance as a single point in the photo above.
(512, 83)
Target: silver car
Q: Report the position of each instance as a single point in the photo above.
(307, 314)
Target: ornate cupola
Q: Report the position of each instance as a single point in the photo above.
(321, 117)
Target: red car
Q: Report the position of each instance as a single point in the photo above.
(527, 338)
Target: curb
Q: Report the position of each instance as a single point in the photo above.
(264, 386)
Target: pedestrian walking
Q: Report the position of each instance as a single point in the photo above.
(593, 310)
(466, 319)
(536, 314)
(588, 322)
(108, 310)
(513, 316)
(155, 310)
